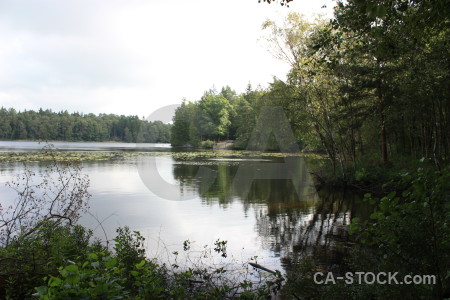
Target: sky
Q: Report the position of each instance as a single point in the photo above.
(133, 57)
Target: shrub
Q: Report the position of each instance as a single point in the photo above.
(207, 144)
(29, 258)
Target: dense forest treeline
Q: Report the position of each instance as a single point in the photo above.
(64, 126)
(373, 81)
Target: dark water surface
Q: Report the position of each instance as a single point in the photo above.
(274, 218)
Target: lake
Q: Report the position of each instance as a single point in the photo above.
(265, 207)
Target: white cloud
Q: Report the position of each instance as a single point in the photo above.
(131, 57)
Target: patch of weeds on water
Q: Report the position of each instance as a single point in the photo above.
(38, 156)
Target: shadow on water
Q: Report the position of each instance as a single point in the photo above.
(293, 220)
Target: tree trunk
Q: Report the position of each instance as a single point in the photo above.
(384, 153)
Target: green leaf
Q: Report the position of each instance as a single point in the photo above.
(54, 281)
(391, 195)
(370, 6)
(141, 264)
(42, 290)
(92, 256)
(372, 13)
(381, 11)
(111, 263)
(356, 220)
(71, 268)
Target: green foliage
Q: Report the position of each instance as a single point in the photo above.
(221, 247)
(130, 251)
(282, 2)
(62, 156)
(410, 231)
(27, 259)
(214, 115)
(184, 131)
(229, 116)
(60, 262)
(371, 81)
(102, 276)
(207, 119)
(62, 126)
(208, 144)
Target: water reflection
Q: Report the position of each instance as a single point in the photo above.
(312, 228)
(249, 180)
(292, 219)
(260, 206)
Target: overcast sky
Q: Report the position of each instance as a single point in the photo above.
(132, 57)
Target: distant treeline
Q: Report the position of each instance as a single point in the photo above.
(64, 126)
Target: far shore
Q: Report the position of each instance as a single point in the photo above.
(65, 141)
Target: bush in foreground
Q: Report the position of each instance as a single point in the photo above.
(60, 262)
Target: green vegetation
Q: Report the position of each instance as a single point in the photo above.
(408, 233)
(61, 262)
(207, 144)
(369, 86)
(44, 254)
(62, 126)
(79, 156)
(61, 156)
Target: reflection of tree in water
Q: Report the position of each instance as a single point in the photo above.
(292, 225)
(228, 188)
(313, 228)
(185, 173)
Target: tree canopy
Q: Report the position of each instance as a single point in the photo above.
(65, 126)
(373, 81)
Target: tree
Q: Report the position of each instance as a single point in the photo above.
(183, 131)
(48, 125)
(378, 71)
(315, 102)
(282, 2)
(288, 42)
(215, 114)
(389, 41)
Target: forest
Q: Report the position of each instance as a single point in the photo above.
(63, 126)
(371, 83)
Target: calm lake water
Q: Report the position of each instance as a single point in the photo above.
(275, 218)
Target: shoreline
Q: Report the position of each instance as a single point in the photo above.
(65, 141)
